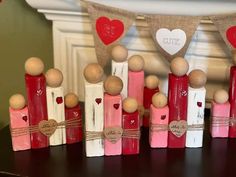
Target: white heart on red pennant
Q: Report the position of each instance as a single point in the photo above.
(171, 41)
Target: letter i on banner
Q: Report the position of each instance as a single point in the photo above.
(196, 106)
(94, 109)
(19, 119)
(136, 81)
(120, 66)
(37, 101)
(113, 116)
(177, 101)
(131, 127)
(159, 118)
(73, 113)
(55, 105)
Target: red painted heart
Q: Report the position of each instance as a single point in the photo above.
(98, 100)
(163, 117)
(199, 104)
(59, 100)
(109, 30)
(24, 118)
(231, 35)
(116, 106)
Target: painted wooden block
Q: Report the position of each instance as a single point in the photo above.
(158, 131)
(120, 69)
(20, 119)
(56, 111)
(232, 100)
(130, 123)
(195, 116)
(94, 117)
(112, 119)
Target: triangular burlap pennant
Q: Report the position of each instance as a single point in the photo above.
(172, 34)
(109, 26)
(226, 24)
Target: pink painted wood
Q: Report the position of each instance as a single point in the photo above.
(112, 118)
(158, 116)
(19, 119)
(222, 112)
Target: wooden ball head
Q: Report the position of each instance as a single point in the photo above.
(179, 66)
(71, 100)
(159, 100)
(130, 105)
(93, 73)
(17, 102)
(113, 85)
(34, 66)
(119, 53)
(54, 77)
(136, 63)
(221, 96)
(151, 81)
(197, 78)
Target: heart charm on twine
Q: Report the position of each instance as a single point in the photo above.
(231, 35)
(178, 128)
(113, 134)
(109, 30)
(47, 127)
(171, 41)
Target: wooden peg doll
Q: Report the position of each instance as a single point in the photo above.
(37, 101)
(131, 127)
(232, 96)
(151, 87)
(177, 101)
(55, 104)
(196, 106)
(73, 115)
(19, 119)
(113, 116)
(120, 66)
(136, 81)
(94, 110)
(159, 118)
(220, 112)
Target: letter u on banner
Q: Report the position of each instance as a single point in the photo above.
(172, 34)
(109, 26)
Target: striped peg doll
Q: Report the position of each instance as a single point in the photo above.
(113, 116)
(232, 96)
(131, 127)
(120, 66)
(37, 102)
(177, 102)
(19, 123)
(55, 104)
(159, 118)
(220, 112)
(136, 81)
(94, 110)
(196, 106)
(151, 87)
(73, 116)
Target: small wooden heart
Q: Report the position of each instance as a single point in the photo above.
(116, 106)
(24, 118)
(178, 128)
(163, 117)
(98, 100)
(59, 100)
(47, 127)
(199, 104)
(113, 134)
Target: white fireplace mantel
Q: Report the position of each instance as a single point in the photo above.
(74, 45)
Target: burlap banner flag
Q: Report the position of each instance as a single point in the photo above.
(109, 26)
(226, 25)
(172, 34)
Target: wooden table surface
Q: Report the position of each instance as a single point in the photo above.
(216, 158)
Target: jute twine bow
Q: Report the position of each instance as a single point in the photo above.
(46, 127)
(221, 121)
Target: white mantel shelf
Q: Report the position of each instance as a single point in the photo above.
(74, 45)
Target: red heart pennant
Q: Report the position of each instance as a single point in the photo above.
(109, 30)
(231, 35)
